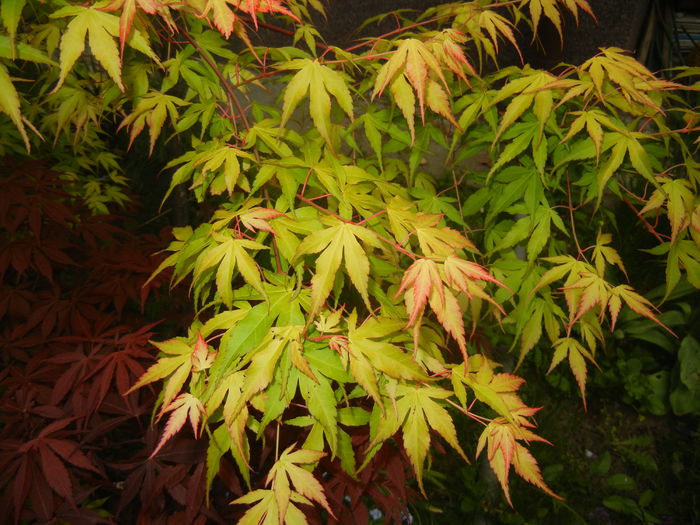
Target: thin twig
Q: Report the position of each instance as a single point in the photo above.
(232, 99)
(571, 218)
(396, 245)
(646, 224)
(475, 417)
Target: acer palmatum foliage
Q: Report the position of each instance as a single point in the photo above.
(74, 338)
(348, 297)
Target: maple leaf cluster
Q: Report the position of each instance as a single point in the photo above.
(74, 339)
(345, 291)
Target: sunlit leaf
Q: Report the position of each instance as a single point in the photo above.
(319, 81)
(338, 242)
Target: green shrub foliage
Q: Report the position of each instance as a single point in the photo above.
(382, 222)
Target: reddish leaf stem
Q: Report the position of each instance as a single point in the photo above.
(646, 224)
(380, 212)
(397, 246)
(306, 181)
(475, 417)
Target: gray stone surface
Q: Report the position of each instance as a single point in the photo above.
(620, 23)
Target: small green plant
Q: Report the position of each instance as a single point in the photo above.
(348, 295)
(658, 369)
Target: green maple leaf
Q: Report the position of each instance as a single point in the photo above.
(593, 119)
(219, 444)
(9, 103)
(383, 356)
(262, 362)
(684, 254)
(319, 81)
(22, 51)
(572, 269)
(321, 403)
(228, 256)
(101, 28)
(291, 483)
(532, 86)
(10, 13)
(152, 110)
(338, 242)
(283, 307)
(603, 254)
(415, 411)
(626, 144)
(632, 79)
(228, 393)
(421, 411)
(678, 195)
(266, 510)
(286, 469)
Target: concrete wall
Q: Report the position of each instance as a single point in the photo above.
(620, 23)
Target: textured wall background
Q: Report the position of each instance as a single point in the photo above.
(620, 23)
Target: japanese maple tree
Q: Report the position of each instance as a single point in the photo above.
(349, 292)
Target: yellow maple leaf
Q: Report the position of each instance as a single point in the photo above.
(100, 28)
(413, 62)
(276, 505)
(338, 242)
(320, 82)
(551, 10)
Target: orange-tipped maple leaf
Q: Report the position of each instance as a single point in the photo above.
(126, 19)
(447, 49)
(201, 357)
(567, 347)
(422, 277)
(256, 219)
(225, 19)
(415, 62)
(462, 275)
(253, 7)
(503, 450)
(184, 407)
(427, 280)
